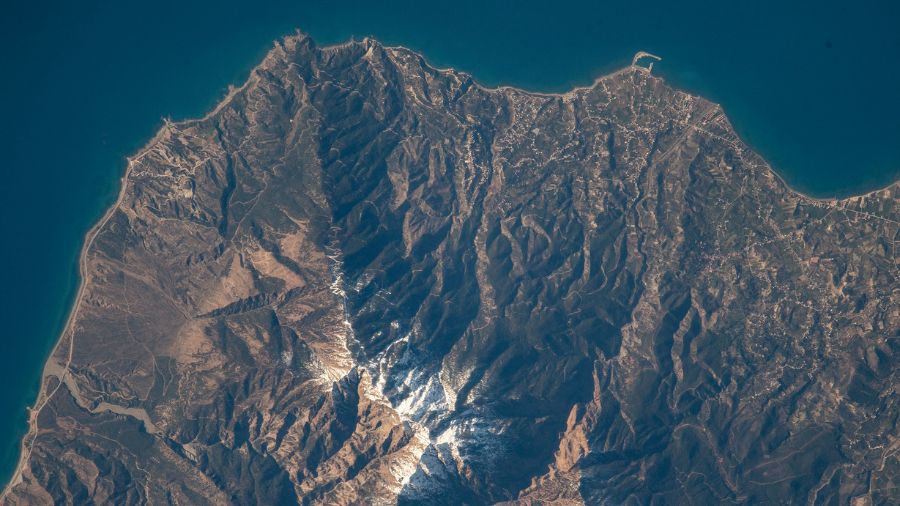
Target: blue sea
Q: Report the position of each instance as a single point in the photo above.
(812, 86)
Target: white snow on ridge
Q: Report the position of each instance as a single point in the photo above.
(423, 398)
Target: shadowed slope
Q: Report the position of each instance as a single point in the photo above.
(362, 279)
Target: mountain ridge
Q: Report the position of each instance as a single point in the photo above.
(424, 409)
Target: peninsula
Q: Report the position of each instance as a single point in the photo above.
(364, 280)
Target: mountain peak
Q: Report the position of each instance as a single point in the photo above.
(361, 278)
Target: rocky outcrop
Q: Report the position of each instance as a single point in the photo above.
(362, 280)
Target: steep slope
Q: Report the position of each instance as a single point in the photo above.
(364, 280)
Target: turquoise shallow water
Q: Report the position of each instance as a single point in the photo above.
(812, 86)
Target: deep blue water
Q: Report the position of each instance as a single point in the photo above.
(813, 86)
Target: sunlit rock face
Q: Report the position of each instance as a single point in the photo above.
(361, 280)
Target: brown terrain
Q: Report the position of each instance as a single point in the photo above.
(362, 280)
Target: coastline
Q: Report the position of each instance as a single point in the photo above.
(51, 369)
(43, 396)
(27, 442)
(648, 72)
